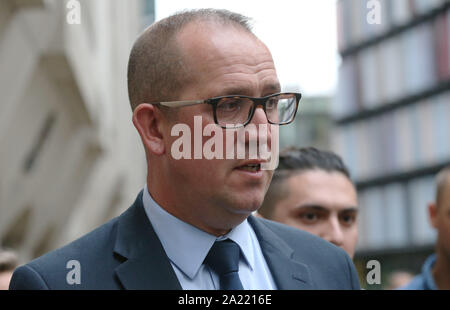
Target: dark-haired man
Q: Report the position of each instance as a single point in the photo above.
(191, 225)
(311, 190)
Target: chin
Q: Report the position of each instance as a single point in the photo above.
(247, 204)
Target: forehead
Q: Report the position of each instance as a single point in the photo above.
(331, 190)
(226, 57)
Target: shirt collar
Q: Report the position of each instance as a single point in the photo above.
(187, 246)
(427, 272)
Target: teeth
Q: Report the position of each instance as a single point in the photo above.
(251, 167)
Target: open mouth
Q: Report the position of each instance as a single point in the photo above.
(250, 167)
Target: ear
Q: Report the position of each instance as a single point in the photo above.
(432, 214)
(149, 121)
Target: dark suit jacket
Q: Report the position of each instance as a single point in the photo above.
(125, 253)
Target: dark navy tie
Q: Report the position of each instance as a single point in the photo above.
(223, 259)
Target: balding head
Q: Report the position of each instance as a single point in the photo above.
(198, 55)
(156, 68)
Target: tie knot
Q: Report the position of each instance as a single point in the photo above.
(223, 257)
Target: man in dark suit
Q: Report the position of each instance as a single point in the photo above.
(191, 226)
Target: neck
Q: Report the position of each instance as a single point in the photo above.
(441, 270)
(205, 220)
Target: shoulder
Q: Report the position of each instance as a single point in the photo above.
(86, 247)
(417, 283)
(329, 265)
(91, 252)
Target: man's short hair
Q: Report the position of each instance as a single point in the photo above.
(8, 261)
(442, 179)
(156, 70)
(294, 161)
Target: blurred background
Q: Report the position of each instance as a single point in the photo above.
(378, 94)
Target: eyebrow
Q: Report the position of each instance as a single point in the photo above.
(268, 90)
(233, 91)
(275, 88)
(351, 209)
(312, 206)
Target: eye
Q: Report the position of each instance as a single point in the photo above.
(347, 219)
(229, 105)
(309, 217)
(272, 103)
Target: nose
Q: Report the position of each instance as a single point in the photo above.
(257, 135)
(259, 116)
(334, 233)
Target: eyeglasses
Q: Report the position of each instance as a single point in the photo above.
(237, 111)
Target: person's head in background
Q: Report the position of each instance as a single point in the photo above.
(8, 262)
(311, 190)
(439, 213)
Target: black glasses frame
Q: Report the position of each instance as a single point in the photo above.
(256, 102)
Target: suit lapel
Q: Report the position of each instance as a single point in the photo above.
(287, 273)
(147, 267)
(146, 264)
